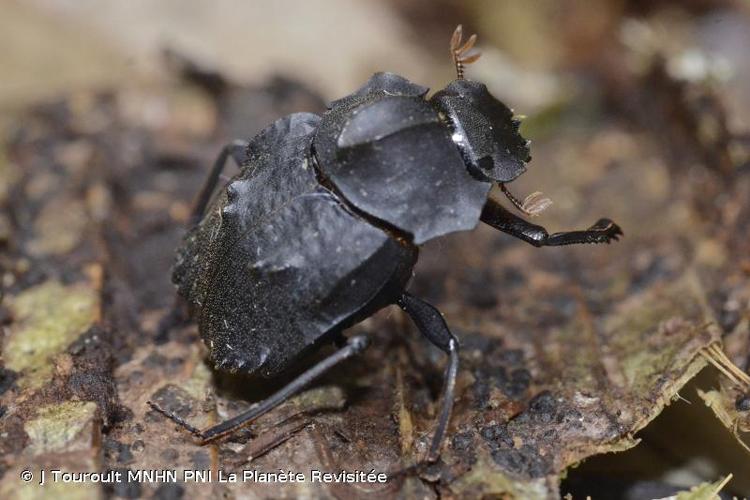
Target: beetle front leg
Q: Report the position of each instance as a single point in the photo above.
(497, 216)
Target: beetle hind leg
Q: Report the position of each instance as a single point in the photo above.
(354, 345)
(431, 324)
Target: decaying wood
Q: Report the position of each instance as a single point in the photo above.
(566, 353)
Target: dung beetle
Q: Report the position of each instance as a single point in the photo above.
(322, 226)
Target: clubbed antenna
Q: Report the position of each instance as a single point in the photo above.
(458, 51)
(532, 205)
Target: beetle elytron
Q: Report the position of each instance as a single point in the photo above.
(321, 227)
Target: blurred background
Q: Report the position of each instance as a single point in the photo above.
(637, 109)
(530, 49)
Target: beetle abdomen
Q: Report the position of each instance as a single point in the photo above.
(279, 261)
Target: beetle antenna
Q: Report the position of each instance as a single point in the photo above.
(532, 205)
(458, 51)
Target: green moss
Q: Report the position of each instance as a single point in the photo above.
(705, 491)
(17, 489)
(56, 426)
(47, 319)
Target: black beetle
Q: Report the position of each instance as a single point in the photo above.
(321, 227)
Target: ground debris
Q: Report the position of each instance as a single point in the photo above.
(566, 353)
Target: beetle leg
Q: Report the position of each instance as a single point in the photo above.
(430, 322)
(236, 150)
(497, 216)
(354, 345)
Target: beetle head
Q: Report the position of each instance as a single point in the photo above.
(484, 130)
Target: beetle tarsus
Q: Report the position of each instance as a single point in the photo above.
(176, 419)
(431, 324)
(604, 231)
